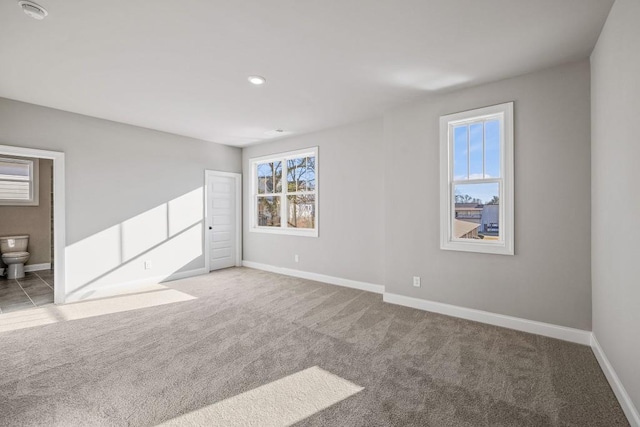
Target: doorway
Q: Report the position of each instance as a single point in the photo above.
(58, 211)
(223, 220)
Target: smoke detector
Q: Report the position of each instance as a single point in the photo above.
(33, 10)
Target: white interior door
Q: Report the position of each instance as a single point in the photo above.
(222, 217)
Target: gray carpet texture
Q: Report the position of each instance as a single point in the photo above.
(247, 329)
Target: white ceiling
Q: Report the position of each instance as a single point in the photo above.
(181, 66)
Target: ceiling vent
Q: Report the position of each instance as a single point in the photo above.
(33, 10)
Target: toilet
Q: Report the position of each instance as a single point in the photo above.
(14, 255)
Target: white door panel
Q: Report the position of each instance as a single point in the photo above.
(221, 253)
(222, 186)
(220, 236)
(222, 221)
(222, 205)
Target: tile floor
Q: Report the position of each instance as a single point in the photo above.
(33, 290)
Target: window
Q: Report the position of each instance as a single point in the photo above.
(285, 193)
(18, 182)
(476, 180)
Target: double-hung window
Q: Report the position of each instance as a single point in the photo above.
(285, 193)
(476, 180)
(18, 182)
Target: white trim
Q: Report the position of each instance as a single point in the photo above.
(185, 274)
(347, 283)
(132, 286)
(531, 326)
(616, 385)
(32, 267)
(285, 155)
(37, 267)
(207, 244)
(447, 203)
(284, 229)
(59, 213)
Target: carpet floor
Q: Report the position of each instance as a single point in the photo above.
(248, 332)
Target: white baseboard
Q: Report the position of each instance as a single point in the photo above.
(185, 274)
(31, 267)
(616, 385)
(531, 326)
(348, 283)
(132, 286)
(37, 267)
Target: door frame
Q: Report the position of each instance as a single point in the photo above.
(207, 220)
(59, 213)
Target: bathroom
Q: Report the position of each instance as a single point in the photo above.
(26, 233)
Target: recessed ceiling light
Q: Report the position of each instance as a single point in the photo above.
(257, 80)
(33, 10)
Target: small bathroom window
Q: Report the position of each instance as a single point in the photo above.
(18, 181)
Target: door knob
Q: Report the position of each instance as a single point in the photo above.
(210, 228)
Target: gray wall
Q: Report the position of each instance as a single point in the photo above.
(548, 279)
(351, 206)
(125, 187)
(34, 221)
(396, 184)
(615, 68)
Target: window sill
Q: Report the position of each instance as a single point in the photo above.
(25, 203)
(487, 248)
(285, 231)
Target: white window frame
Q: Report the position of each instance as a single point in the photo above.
(34, 197)
(283, 229)
(505, 246)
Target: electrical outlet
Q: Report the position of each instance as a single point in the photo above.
(416, 281)
(147, 265)
(296, 258)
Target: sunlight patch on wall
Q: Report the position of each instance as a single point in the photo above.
(185, 211)
(93, 256)
(148, 247)
(144, 231)
(283, 402)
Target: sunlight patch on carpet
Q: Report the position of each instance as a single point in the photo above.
(279, 403)
(60, 313)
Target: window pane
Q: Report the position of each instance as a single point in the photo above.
(460, 153)
(14, 170)
(310, 175)
(301, 211)
(295, 174)
(270, 177)
(492, 149)
(477, 211)
(301, 174)
(14, 190)
(263, 174)
(475, 151)
(277, 177)
(269, 211)
(291, 174)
